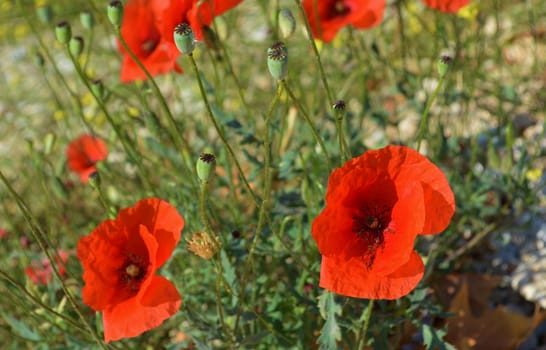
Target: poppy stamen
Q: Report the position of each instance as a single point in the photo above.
(133, 272)
(149, 46)
(340, 8)
(370, 225)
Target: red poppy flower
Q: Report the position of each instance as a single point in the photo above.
(41, 273)
(332, 15)
(448, 6)
(83, 154)
(376, 205)
(120, 259)
(141, 31)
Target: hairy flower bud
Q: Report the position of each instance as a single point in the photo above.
(75, 45)
(87, 19)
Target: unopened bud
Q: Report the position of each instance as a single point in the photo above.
(287, 23)
(339, 109)
(45, 14)
(205, 166)
(75, 45)
(87, 19)
(443, 65)
(115, 13)
(97, 87)
(94, 179)
(277, 60)
(63, 32)
(184, 38)
(49, 141)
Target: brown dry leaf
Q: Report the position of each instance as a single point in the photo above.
(477, 326)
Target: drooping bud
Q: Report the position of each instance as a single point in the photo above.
(94, 179)
(45, 14)
(98, 88)
(75, 45)
(205, 166)
(287, 23)
(443, 65)
(115, 13)
(63, 32)
(277, 60)
(87, 19)
(339, 109)
(184, 38)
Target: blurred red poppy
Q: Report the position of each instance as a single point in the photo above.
(83, 154)
(120, 258)
(40, 271)
(448, 6)
(376, 205)
(148, 27)
(329, 16)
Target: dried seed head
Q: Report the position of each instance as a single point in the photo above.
(203, 245)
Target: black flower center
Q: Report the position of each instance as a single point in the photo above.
(132, 272)
(149, 46)
(370, 224)
(340, 8)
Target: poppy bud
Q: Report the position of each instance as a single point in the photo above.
(205, 166)
(443, 65)
(94, 179)
(287, 23)
(98, 88)
(184, 38)
(339, 108)
(87, 19)
(45, 14)
(49, 141)
(63, 32)
(75, 45)
(115, 13)
(277, 60)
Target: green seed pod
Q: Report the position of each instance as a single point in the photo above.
(63, 32)
(443, 65)
(98, 88)
(277, 60)
(87, 19)
(184, 38)
(287, 23)
(115, 13)
(94, 179)
(45, 14)
(339, 109)
(205, 166)
(75, 45)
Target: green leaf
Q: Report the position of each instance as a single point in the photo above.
(434, 338)
(21, 329)
(330, 332)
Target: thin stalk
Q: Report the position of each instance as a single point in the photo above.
(180, 143)
(311, 125)
(424, 118)
(39, 237)
(364, 330)
(219, 130)
(266, 196)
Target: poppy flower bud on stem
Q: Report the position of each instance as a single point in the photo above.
(443, 65)
(287, 23)
(115, 13)
(45, 14)
(277, 60)
(98, 88)
(75, 45)
(205, 166)
(184, 38)
(339, 109)
(87, 19)
(63, 32)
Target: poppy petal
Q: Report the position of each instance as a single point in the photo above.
(132, 317)
(351, 278)
(448, 6)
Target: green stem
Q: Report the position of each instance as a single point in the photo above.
(266, 195)
(424, 118)
(364, 330)
(310, 123)
(180, 143)
(39, 237)
(219, 130)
